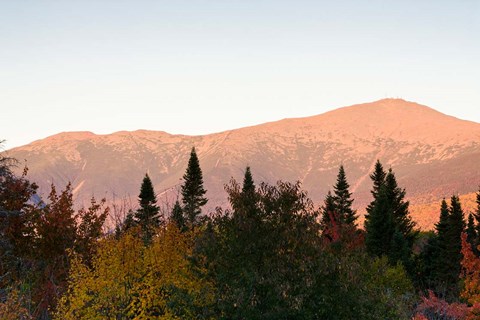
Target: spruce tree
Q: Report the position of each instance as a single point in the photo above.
(192, 191)
(476, 215)
(248, 188)
(388, 220)
(442, 226)
(248, 195)
(471, 231)
(380, 225)
(403, 221)
(177, 216)
(440, 268)
(328, 211)
(456, 226)
(448, 249)
(378, 179)
(343, 201)
(147, 216)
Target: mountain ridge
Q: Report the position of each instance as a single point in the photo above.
(433, 155)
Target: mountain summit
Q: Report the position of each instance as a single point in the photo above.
(432, 154)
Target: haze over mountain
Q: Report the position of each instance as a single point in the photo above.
(433, 155)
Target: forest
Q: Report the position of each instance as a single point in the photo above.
(271, 254)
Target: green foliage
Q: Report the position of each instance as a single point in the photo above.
(193, 193)
(378, 179)
(343, 201)
(389, 228)
(380, 225)
(273, 263)
(177, 216)
(147, 216)
(447, 250)
(471, 231)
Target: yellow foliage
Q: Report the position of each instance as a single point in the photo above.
(130, 280)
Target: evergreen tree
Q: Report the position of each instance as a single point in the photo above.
(343, 201)
(440, 264)
(177, 216)
(378, 179)
(447, 253)
(328, 211)
(442, 226)
(388, 220)
(380, 225)
(476, 215)
(403, 221)
(147, 216)
(248, 196)
(192, 191)
(248, 188)
(456, 225)
(472, 237)
(129, 222)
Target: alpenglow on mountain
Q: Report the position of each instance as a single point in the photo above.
(433, 156)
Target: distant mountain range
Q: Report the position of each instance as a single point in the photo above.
(433, 156)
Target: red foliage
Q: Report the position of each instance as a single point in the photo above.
(336, 233)
(433, 307)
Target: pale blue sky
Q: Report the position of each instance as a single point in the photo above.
(196, 67)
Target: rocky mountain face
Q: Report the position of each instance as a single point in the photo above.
(433, 156)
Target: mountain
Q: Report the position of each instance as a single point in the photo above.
(433, 156)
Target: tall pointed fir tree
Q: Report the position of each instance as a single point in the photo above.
(342, 200)
(248, 195)
(393, 209)
(471, 231)
(328, 211)
(193, 193)
(401, 215)
(378, 179)
(380, 225)
(177, 216)
(440, 266)
(476, 215)
(147, 216)
(456, 225)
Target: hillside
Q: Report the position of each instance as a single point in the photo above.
(432, 154)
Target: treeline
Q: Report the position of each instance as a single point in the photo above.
(272, 254)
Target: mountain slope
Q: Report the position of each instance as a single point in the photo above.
(432, 154)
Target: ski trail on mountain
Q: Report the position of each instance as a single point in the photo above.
(370, 169)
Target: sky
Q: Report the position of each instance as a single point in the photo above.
(198, 67)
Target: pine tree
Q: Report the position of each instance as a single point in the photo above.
(177, 216)
(380, 225)
(393, 209)
(248, 188)
(147, 216)
(342, 200)
(192, 191)
(440, 267)
(378, 179)
(448, 255)
(328, 211)
(476, 215)
(248, 195)
(471, 231)
(456, 225)
(442, 226)
(403, 221)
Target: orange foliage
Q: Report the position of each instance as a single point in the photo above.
(470, 273)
